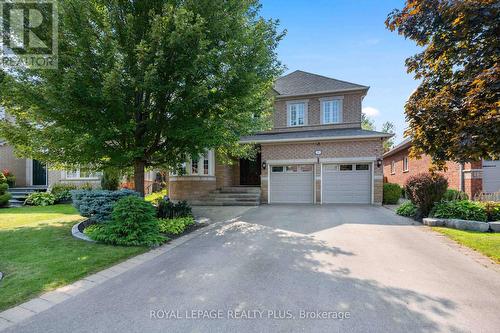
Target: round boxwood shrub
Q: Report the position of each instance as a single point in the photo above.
(133, 224)
(4, 195)
(392, 193)
(424, 189)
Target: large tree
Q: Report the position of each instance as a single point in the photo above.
(145, 84)
(454, 113)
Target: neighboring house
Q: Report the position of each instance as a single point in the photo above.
(32, 173)
(472, 178)
(316, 152)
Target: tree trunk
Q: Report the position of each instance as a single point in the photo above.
(139, 176)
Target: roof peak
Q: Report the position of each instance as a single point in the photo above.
(300, 82)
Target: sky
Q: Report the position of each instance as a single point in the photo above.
(347, 40)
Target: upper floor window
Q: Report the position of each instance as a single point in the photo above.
(405, 164)
(297, 114)
(331, 111)
(393, 167)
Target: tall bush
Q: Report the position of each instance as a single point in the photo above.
(424, 189)
(4, 195)
(97, 205)
(133, 224)
(110, 180)
(392, 193)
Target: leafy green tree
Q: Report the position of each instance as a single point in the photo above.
(388, 127)
(454, 113)
(145, 84)
(367, 123)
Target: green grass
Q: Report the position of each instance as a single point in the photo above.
(484, 242)
(38, 252)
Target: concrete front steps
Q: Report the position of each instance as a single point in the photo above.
(231, 196)
(19, 194)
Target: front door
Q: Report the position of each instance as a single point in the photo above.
(39, 173)
(250, 171)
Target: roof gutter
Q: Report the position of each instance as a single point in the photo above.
(397, 149)
(325, 138)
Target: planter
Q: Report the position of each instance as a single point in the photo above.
(457, 224)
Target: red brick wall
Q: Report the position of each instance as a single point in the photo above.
(415, 166)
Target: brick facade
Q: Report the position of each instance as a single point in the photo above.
(351, 111)
(472, 179)
(331, 152)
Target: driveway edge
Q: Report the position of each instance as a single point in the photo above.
(49, 299)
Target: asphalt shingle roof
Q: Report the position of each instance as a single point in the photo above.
(312, 135)
(304, 83)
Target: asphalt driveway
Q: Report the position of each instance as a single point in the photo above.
(277, 264)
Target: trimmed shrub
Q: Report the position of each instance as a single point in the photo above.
(110, 180)
(463, 210)
(392, 193)
(175, 226)
(62, 192)
(492, 210)
(453, 195)
(133, 224)
(168, 210)
(97, 205)
(407, 209)
(156, 196)
(424, 189)
(40, 199)
(4, 195)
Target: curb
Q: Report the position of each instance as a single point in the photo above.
(75, 231)
(47, 300)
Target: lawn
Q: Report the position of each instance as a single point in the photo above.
(486, 243)
(38, 252)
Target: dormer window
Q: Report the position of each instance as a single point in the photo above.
(331, 110)
(297, 113)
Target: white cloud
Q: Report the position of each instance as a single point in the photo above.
(371, 112)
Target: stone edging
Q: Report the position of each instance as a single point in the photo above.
(75, 231)
(459, 224)
(45, 301)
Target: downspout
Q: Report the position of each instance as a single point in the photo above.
(462, 179)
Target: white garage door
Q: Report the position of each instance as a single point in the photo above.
(491, 176)
(347, 183)
(291, 184)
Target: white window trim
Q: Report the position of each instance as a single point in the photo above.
(406, 167)
(328, 99)
(393, 167)
(65, 176)
(288, 112)
(211, 167)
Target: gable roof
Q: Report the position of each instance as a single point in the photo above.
(304, 83)
(406, 143)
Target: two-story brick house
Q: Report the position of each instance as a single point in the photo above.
(316, 152)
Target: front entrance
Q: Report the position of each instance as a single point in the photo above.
(39, 175)
(250, 171)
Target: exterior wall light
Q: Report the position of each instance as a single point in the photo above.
(264, 165)
(379, 162)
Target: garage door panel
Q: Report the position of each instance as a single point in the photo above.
(346, 186)
(292, 186)
(491, 176)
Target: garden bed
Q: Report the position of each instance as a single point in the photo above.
(189, 229)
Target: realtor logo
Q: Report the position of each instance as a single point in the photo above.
(28, 34)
